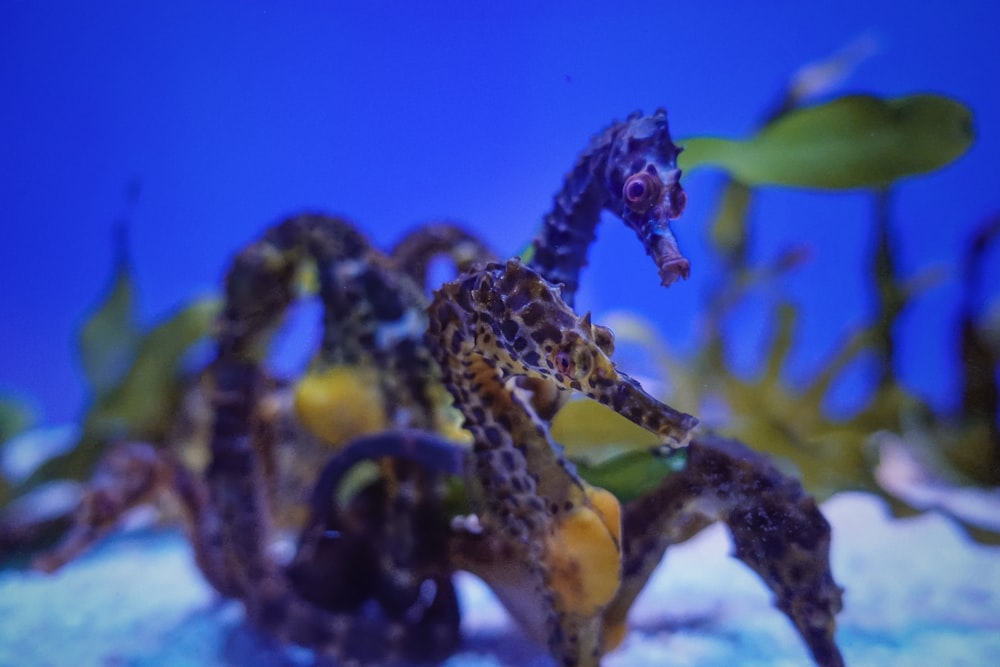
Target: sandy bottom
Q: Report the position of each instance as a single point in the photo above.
(918, 592)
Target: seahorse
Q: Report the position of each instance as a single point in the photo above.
(503, 322)
(372, 347)
(412, 255)
(368, 310)
(629, 169)
(776, 527)
(389, 544)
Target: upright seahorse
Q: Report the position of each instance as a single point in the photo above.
(368, 311)
(629, 169)
(504, 322)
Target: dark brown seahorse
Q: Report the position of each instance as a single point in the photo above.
(361, 299)
(413, 254)
(629, 169)
(374, 315)
(394, 529)
(776, 527)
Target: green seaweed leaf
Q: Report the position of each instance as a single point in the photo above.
(856, 141)
(109, 338)
(610, 451)
(632, 474)
(143, 404)
(728, 229)
(593, 433)
(15, 416)
(143, 399)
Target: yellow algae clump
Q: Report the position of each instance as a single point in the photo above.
(610, 510)
(584, 554)
(339, 404)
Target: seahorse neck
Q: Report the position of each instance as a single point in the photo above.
(559, 252)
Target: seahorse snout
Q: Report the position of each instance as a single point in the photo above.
(662, 247)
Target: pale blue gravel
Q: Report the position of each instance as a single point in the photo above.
(918, 593)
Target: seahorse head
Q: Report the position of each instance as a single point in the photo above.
(645, 191)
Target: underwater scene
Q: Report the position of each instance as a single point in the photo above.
(499, 334)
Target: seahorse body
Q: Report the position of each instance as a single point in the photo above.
(503, 322)
(629, 169)
(371, 316)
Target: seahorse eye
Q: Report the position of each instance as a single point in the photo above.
(636, 190)
(575, 362)
(641, 191)
(563, 361)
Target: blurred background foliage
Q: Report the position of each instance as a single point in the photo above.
(893, 444)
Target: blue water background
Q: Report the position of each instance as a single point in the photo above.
(234, 114)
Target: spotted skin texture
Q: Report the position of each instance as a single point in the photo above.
(777, 529)
(506, 321)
